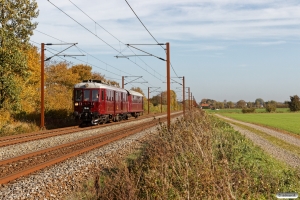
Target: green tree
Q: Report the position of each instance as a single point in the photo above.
(241, 104)
(294, 104)
(259, 102)
(230, 104)
(271, 106)
(15, 30)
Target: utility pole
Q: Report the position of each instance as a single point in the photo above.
(42, 126)
(161, 102)
(133, 81)
(148, 100)
(168, 86)
(183, 101)
(42, 86)
(189, 99)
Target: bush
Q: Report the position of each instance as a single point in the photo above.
(271, 106)
(294, 104)
(248, 110)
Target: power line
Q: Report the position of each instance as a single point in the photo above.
(78, 60)
(81, 50)
(143, 24)
(149, 33)
(108, 33)
(99, 37)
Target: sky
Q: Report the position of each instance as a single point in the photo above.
(226, 49)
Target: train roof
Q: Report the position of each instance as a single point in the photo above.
(134, 93)
(98, 85)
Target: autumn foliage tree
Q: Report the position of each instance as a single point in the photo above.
(16, 28)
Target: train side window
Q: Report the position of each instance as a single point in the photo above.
(95, 95)
(78, 95)
(86, 95)
(102, 95)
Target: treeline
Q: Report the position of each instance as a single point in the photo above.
(21, 97)
(270, 106)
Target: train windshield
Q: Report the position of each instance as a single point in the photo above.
(86, 95)
(78, 95)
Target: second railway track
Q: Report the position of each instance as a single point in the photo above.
(11, 169)
(15, 139)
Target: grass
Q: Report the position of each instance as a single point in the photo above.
(200, 157)
(276, 141)
(236, 110)
(289, 122)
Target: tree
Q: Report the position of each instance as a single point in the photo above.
(294, 104)
(30, 89)
(271, 106)
(84, 71)
(60, 81)
(230, 104)
(15, 30)
(241, 104)
(259, 103)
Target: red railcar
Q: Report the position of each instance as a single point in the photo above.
(135, 103)
(97, 103)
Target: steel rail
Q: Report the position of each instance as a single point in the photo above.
(15, 139)
(115, 135)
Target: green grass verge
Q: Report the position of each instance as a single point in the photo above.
(274, 140)
(289, 122)
(237, 110)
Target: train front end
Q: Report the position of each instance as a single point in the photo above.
(86, 103)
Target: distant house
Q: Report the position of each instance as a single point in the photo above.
(205, 106)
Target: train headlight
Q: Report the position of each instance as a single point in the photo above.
(76, 104)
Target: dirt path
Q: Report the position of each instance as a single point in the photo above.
(276, 151)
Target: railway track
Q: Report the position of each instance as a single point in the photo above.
(13, 168)
(15, 139)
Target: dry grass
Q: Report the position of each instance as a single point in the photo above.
(199, 158)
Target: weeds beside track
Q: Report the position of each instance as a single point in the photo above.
(200, 157)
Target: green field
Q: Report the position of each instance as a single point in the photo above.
(284, 121)
(261, 110)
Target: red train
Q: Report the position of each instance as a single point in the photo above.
(98, 103)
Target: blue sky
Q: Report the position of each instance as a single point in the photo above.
(226, 49)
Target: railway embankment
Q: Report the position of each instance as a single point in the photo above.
(59, 180)
(201, 157)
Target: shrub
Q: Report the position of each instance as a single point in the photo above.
(248, 110)
(294, 104)
(271, 106)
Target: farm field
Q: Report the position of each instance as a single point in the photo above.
(238, 110)
(283, 121)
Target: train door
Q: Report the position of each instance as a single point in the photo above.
(114, 100)
(95, 100)
(102, 101)
(122, 101)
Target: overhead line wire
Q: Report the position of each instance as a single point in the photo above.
(149, 32)
(81, 50)
(79, 60)
(99, 37)
(109, 33)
